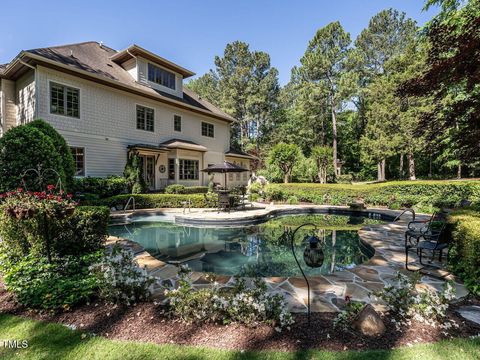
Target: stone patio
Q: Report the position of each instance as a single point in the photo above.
(328, 291)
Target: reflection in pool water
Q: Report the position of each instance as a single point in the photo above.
(251, 250)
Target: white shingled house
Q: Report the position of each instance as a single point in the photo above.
(107, 103)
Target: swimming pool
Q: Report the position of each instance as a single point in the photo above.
(251, 250)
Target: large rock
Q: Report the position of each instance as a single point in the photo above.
(471, 313)
(368, 322)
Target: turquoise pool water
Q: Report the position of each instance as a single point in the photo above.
(251, 250)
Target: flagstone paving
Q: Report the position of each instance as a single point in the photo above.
(327, 291)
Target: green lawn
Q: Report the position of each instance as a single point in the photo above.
(53, 341)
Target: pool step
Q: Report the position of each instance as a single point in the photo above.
(120, 219)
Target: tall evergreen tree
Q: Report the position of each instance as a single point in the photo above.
(324, 63)
(244, 85)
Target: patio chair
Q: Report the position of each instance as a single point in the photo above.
(224, 202)
(430, 238)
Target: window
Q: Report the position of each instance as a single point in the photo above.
(188, 170)
(177, 123)
(171, 169)
(161, 76)
(145, 118)
(79, 159)
(207, 130)
(64, 100)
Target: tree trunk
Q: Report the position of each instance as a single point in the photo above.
(430, 168)
(322, 176)
(286, 177)
(459, 171)
(400, 170)
(381, 170)
(334, 134)
(411, 167)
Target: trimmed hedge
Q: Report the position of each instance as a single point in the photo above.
(150, 201)
(98, 187)
(395, 195)
(464, 257)
(181, 189)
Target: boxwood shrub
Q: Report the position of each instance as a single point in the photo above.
(464, 259)
(97, 187)
(181, 189)
(150, 201)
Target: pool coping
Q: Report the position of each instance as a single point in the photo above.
(328, 291)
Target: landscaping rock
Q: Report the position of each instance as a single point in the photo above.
(471, 313)
(368, 322)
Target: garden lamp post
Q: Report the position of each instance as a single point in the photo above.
(312, 255)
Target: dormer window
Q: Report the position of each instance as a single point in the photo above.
(161, 76)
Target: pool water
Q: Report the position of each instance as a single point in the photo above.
(251, 250)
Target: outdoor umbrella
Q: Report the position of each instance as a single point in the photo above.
(224, 168)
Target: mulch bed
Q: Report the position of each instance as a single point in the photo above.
(148, 322)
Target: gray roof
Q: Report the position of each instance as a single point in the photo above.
(236, 152)
(2, 67)
(95, 58)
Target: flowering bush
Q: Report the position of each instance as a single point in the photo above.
(405, 302)
(120, 278)
(30, 221)
(241, 304)
(26, 204)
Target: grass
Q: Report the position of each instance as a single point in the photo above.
(54, 341)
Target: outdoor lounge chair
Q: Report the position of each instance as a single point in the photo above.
(429, 237)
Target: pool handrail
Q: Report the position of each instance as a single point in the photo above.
(403, 212)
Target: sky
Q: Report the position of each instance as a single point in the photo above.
(189, 33)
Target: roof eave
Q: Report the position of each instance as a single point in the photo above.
(138, 50)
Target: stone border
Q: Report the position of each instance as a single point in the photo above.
(328, 291)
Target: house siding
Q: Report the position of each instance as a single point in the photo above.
(9, 112)
(107, 125)
(25, 98)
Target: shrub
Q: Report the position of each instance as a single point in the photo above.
(40, 223)
(292, 200)
(101, 187)
(120, 279)
(134, 175)
(149, 201)
(344, 179)
(30, 221)
(23, 148)
(274, 193)
(345, 318)
(464, 259)
(174, 189)
(405, 302)
(238, 304)
(420, 194)
(181, 189)
(256, 188)
(62, 148)
(84, 232)
(63, 283)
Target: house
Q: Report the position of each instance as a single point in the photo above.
(109, 103)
